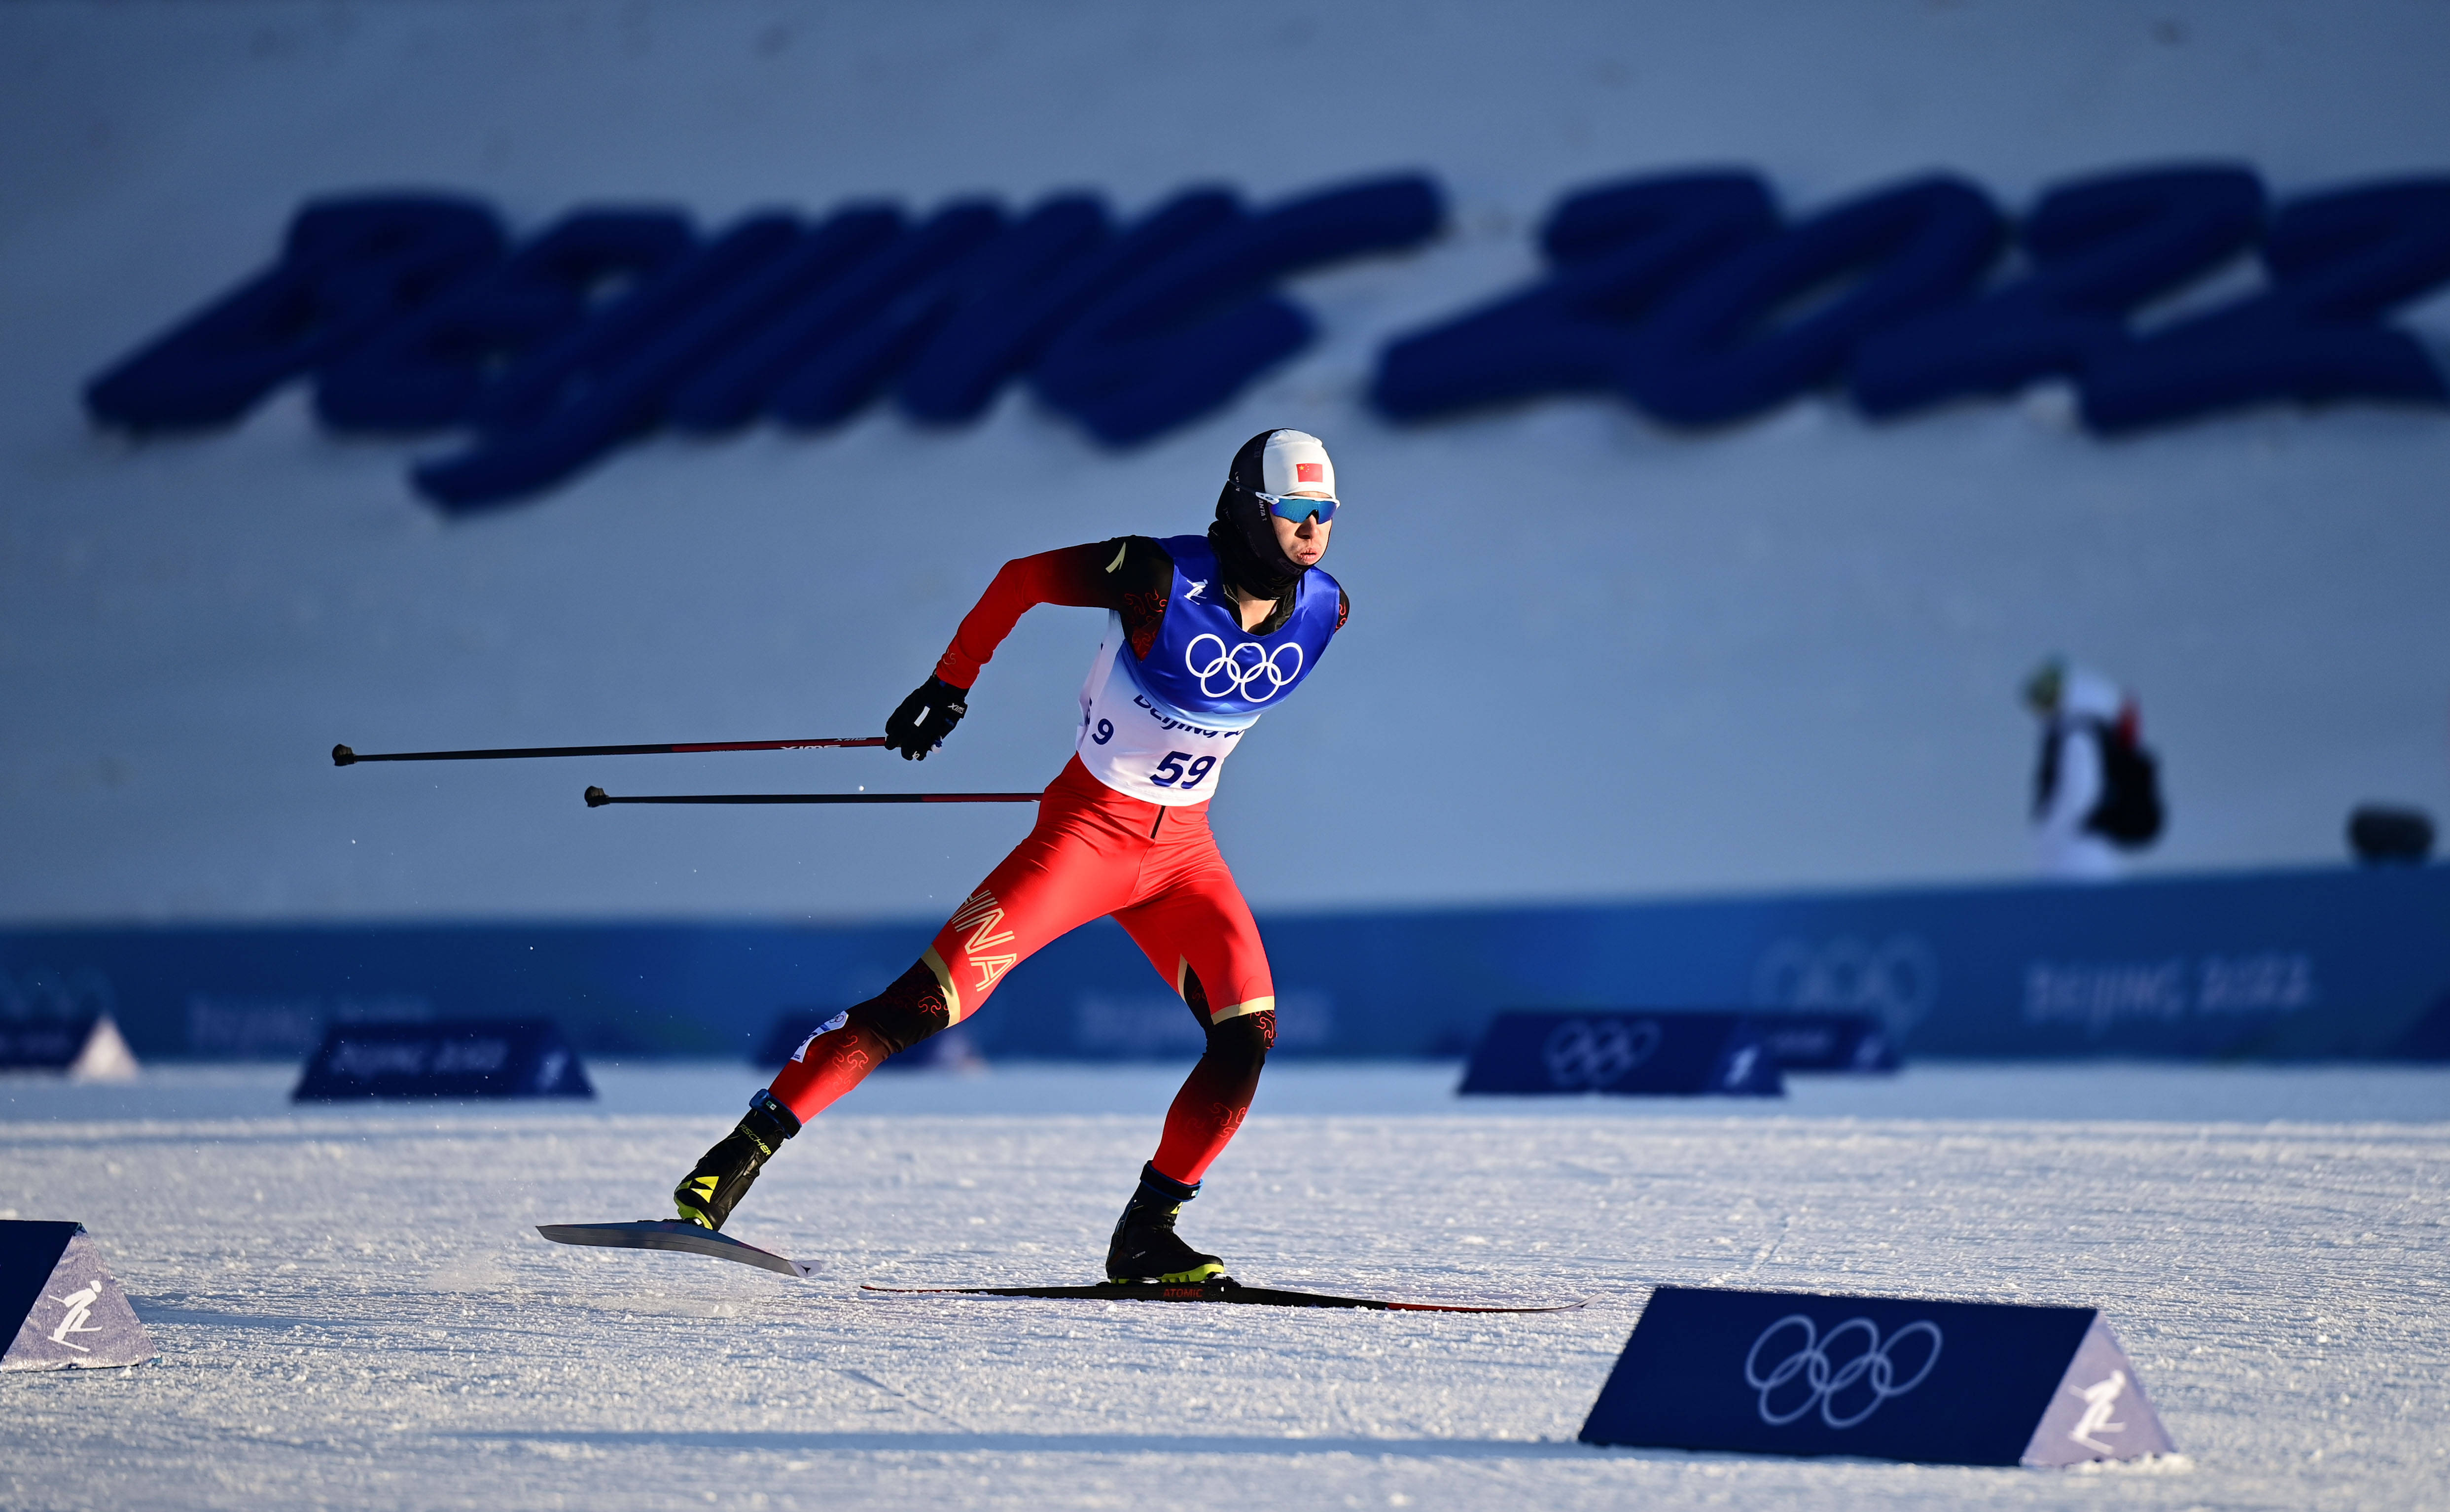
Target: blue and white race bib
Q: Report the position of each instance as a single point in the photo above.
(1157, 727)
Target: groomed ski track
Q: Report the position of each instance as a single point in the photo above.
(354, 1310)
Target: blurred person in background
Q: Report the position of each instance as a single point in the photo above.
(2096, 789)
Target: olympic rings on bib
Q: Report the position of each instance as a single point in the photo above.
(1872, 1370)
(1233, 671)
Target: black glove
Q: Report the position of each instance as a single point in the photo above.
(925, 718)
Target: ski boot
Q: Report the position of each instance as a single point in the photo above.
(723, 1175)
(1146, 1247)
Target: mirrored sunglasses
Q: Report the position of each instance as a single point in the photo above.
(1287, 507)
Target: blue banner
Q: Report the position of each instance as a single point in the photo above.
(2274, 966)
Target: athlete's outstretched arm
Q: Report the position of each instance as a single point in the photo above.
(1131, 576)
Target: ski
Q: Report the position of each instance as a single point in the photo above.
(675, 1235)
(689, 1238)
(1223, 1289)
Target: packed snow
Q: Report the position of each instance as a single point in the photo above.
(353, 1309)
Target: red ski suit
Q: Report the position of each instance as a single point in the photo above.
(1094, 852)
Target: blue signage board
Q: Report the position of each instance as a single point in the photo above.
(468, 1058)
(1674, 1054)
(44, 1044)
(1894, 1378)
(1827, 1041)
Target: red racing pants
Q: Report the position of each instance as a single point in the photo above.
(1094, 852)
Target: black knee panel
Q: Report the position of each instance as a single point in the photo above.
(1247, 1037)
(905, 1013)
(1240, 1045)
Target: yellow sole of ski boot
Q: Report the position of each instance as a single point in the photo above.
(1174, 1278)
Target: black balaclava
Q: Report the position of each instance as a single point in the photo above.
(1243, 540)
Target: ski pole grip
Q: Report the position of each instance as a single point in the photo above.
(342, 756)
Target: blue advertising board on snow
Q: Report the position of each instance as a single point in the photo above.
(1627, 1053)
(1895, 1378)
(461, 1058)
(86, 1046)
(1804, 1041)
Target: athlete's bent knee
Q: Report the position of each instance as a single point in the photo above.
(907, 1012)
(1241, 1043)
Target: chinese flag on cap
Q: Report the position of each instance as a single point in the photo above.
(1294, 461)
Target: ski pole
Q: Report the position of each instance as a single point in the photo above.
(597, 798)
(342, 756)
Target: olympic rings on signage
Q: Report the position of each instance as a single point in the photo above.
(1873, 1369)
(1899, 979)
(1582, 1054)
(1241, 666)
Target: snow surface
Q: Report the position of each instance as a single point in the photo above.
(354, 1310)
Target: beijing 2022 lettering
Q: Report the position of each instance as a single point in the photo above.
(1692, 296)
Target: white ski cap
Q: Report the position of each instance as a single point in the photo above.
(1295, 462)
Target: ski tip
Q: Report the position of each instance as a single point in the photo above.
(675, 1235)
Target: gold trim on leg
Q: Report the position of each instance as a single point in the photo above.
(945, 985)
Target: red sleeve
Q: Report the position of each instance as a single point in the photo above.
(1073, 576)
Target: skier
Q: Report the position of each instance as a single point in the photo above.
(1204, 634)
